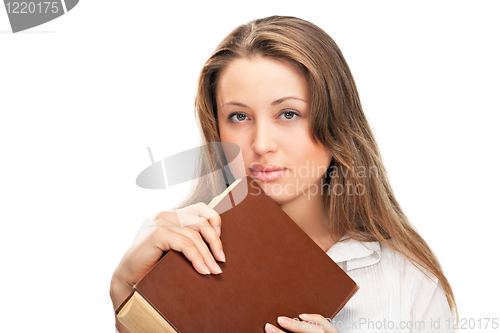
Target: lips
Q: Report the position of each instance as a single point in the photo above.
(266, 167)
(267, 173)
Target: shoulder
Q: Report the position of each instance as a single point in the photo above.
(374, 265)
(353, 255)
(391, 287)
(397, 263)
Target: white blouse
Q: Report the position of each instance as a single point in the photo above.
(393, 295)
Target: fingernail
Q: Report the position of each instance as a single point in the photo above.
(283, 321)
(270, 328)
(217, 268)
(207, 271)
(304, 316)
(223, 257)
(218, 230)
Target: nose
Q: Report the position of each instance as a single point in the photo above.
(264, 140)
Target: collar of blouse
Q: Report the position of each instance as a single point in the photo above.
(351, 254)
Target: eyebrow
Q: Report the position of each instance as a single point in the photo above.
(276, 102)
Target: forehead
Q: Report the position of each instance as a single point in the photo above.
(262, 77)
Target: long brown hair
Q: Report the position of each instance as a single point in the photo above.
(337, 121)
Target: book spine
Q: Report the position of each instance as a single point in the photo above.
(140, 316)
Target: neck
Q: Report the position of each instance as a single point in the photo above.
(308, 213)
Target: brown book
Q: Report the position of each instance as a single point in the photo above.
(272, 269)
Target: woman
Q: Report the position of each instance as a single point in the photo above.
(279, 87)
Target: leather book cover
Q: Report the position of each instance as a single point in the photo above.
(272, 269)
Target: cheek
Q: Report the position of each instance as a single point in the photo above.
(305, 151)
(299, 144)
(223, 132)
(227, 135)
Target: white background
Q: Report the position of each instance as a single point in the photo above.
(83, 96)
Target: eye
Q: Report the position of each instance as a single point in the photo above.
(239, 117)
(290, 114)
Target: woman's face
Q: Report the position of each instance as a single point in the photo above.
(263, 107)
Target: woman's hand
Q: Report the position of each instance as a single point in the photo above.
(311, 323)
(182, 230)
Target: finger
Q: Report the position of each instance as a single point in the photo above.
(174, 228)
(201, 246)
(318, 320)
(162, 236)
(144, 252)
(295, 325)
(175, 241)
(167, 216)
(199, 217)
(148, 248)
(190, 216)
(181, 217)
(201, 210)
(213, 240)
(272, 329)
